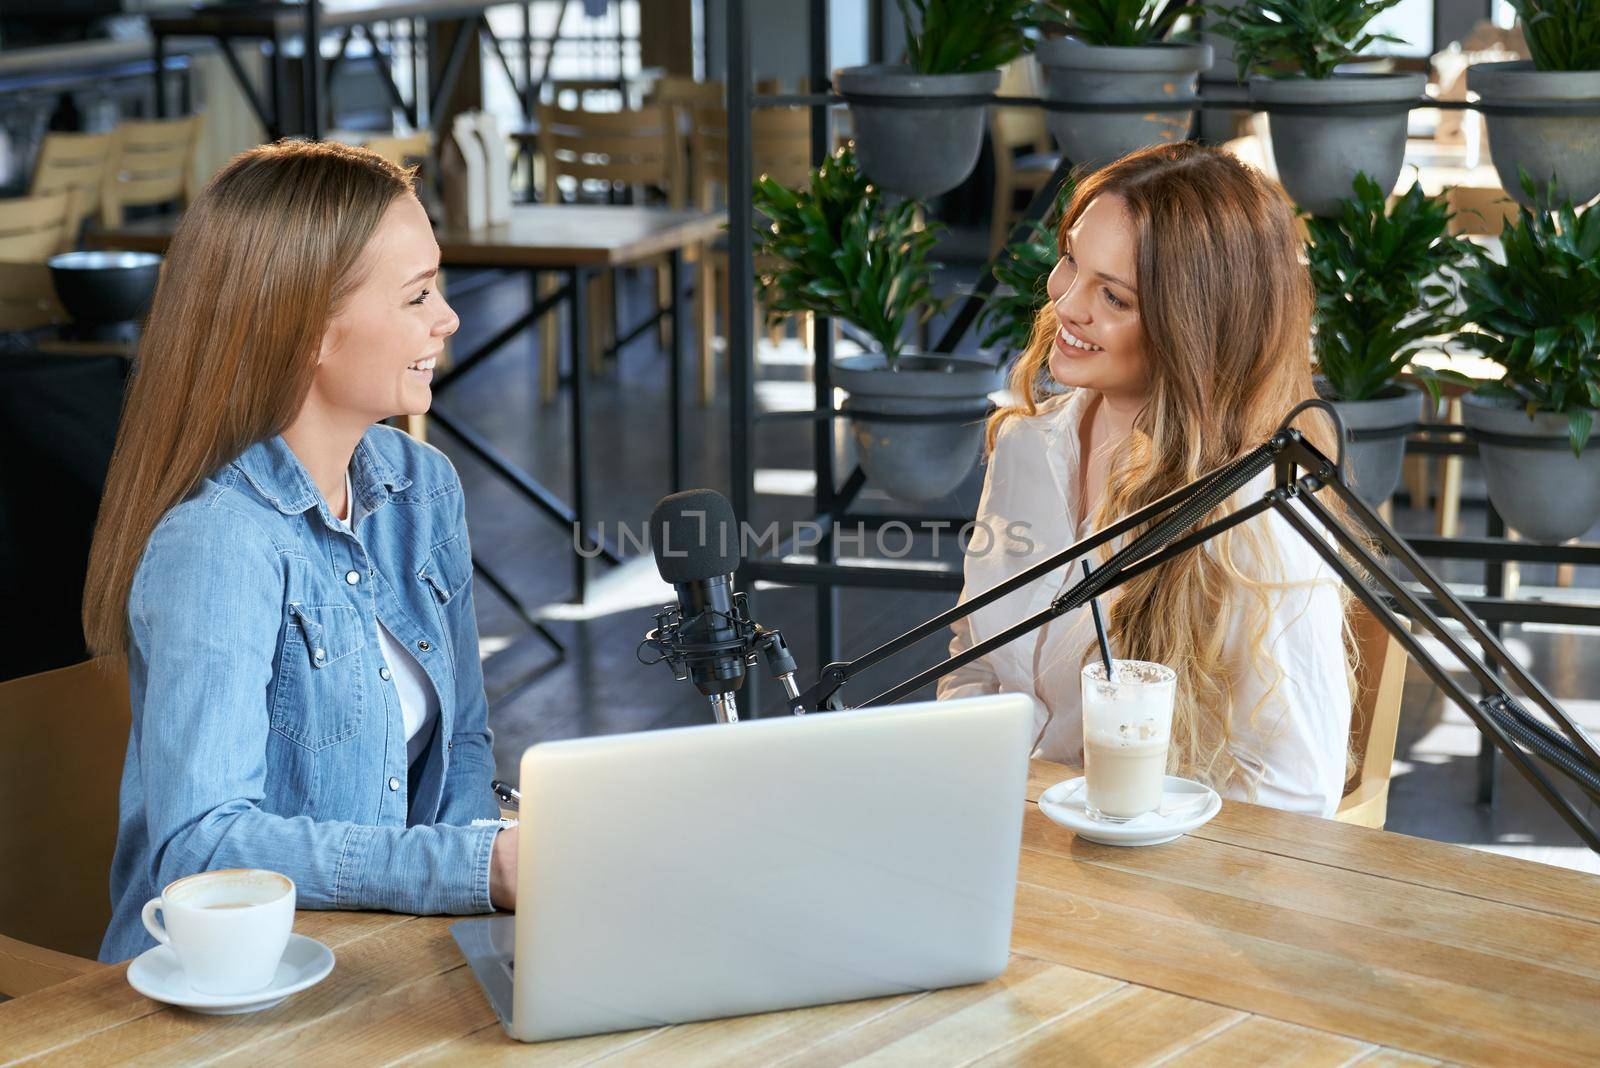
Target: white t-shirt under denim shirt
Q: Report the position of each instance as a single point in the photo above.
(419, 704)
(1295, 744)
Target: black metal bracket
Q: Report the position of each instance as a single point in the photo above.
(1169, 528)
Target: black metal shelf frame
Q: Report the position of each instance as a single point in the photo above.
(831, 501)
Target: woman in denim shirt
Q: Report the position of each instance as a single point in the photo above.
(290, 582)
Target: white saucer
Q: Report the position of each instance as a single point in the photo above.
(1185, 805)
(156, 973)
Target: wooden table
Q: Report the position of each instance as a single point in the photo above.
(1263, 936)
(575, 241)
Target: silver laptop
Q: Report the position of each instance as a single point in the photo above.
(714, 871)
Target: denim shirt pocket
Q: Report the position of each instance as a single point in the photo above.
(447, 570)
(321, 684)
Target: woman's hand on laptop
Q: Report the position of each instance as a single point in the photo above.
(503, 871)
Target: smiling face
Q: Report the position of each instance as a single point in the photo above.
(379, 350)
(1099, 343)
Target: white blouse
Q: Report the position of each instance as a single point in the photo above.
(1297, 741)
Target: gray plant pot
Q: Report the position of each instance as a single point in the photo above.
(1318, 155)
(1563, 147)
(1101, 74)
(917, 461)
(1545, 494)
(917, 152)
(1374, 459)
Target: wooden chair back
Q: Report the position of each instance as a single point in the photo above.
(1019, 128)
(63, 737)
(402, 149)
(73, 163)
(780, 146)
(31, 227)
(686, 94)
(1374, 719)
(1479, 210)
(31, 231)
(618, 148)
(152, 162)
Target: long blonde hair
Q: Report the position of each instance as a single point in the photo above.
(260, 263)
(1225, 307)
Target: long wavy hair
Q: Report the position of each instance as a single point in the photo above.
(259, 265)
(1225, 306)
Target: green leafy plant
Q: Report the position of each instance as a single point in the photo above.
(962, 36)
(1371, 267)
(838, 248)
(1562, 34)
(1537, 314)
(1288, 37)
(1022, 272)
(1118, 22)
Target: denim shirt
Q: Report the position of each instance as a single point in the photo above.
(266, 733)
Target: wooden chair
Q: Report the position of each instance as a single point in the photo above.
(31, 230)
(1478, 210)
(685, 96)
(1024, 158)
(63, 736)
(1374, 721)
(152, 162)
(72, 163)
(401, 149)
(632, 149)
(780, 147)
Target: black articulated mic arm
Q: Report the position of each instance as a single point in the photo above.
(1301, 472)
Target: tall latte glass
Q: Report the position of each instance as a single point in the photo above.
(1127, 724)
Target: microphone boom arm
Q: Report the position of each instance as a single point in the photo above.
(1498, 713)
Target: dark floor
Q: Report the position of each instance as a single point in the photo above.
(601, 687)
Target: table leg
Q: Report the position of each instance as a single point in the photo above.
(578, 279)
(159, 45)
(1495, 586)
(280, 89)
(675, 367)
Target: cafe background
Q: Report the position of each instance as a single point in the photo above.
(557, 665)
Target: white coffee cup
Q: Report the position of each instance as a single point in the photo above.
(228, 928)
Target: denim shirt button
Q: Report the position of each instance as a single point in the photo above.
(320, 654)
(383, 673)
(423, 645)
(352, 577)
(394, 782)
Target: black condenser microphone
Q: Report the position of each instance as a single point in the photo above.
(695, 538)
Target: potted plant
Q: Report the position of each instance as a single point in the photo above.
(1326, 126)
(1537, 315)
(839, 249)
(1564, 38)
(919, 125)
(1379, 298)
(1119, 52)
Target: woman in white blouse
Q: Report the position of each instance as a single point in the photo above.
(1178, 320)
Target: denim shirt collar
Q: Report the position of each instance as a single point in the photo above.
(279, 476)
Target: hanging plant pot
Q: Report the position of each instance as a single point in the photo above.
(1080, 73)
(1327, 130)
(924, 150)
(1376, 447)
(1563, 147)
(914, 459)
(1543, 491)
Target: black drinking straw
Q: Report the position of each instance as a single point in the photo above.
(1100, 631)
